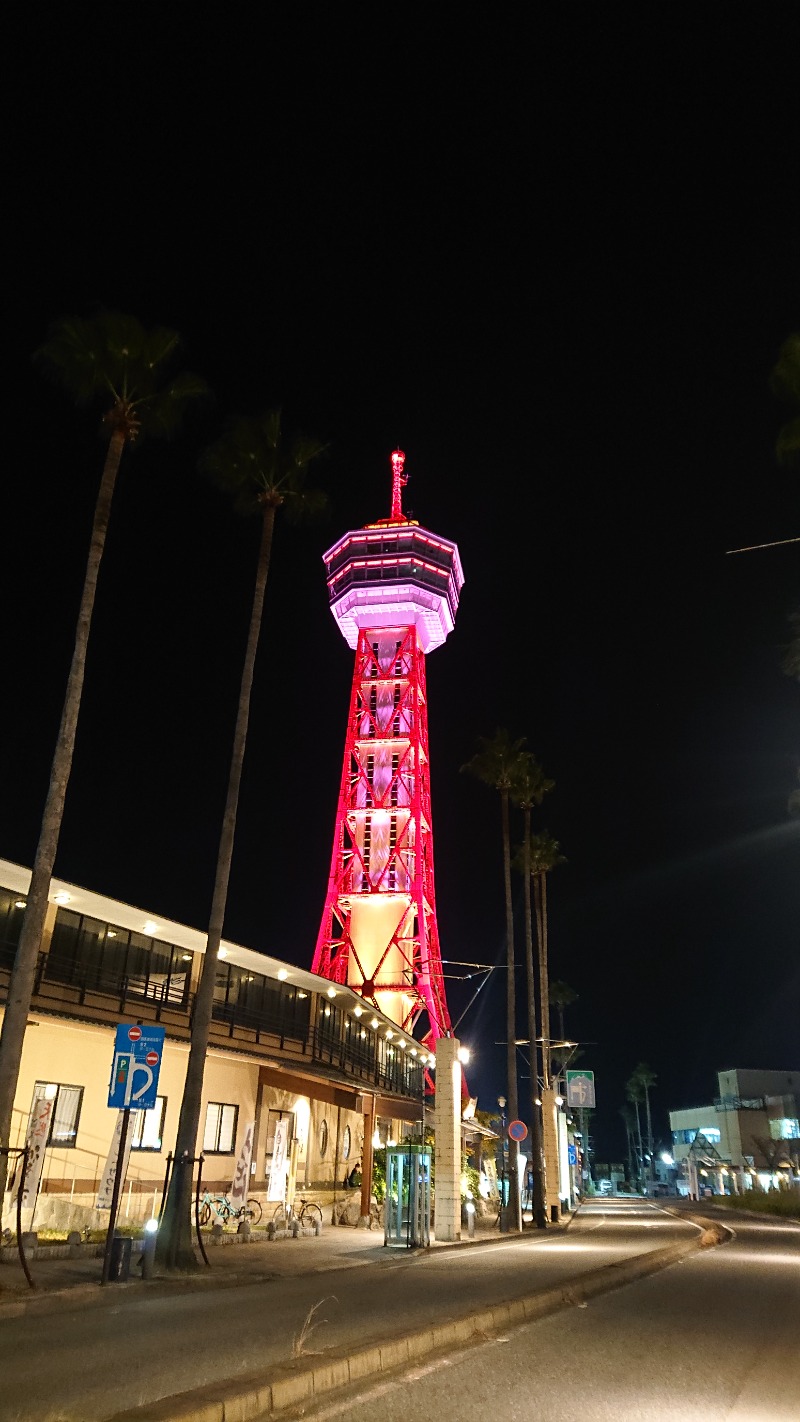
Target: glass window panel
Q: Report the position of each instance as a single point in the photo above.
(147, 1126)
(227, 1129)
(211, 1133)
(66, 1110)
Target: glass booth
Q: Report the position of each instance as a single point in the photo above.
(407, 1212)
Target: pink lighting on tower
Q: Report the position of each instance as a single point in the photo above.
(394, 590)
(399, 481)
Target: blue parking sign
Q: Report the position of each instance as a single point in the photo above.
(137, 1062)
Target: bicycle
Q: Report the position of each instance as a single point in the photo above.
(306, 1213)
(221, 1206)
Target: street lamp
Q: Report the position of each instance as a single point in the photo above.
(502, 1218)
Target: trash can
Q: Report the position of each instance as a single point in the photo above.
(120, 1262)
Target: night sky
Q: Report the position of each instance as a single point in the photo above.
(554, 260)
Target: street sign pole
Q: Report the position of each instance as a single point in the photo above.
(118, 1182)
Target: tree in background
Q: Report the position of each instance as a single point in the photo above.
(562, 996)
(635, 1095)
(498, 763)
(529, 790)
(646, 1079)
(785, 382)
(544, 856)
(109, 359)
(263, 473)
(626, 1112)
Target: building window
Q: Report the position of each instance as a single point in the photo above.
(346, 1143)
(323, 1139)
(66, 1111)
(147, 1127)
(219, 1136)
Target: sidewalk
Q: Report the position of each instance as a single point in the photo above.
(75, 1282)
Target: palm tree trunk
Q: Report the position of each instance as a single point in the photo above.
(639, 1138)
(537, 1153)
(174, 1250)
(651, 1169)
(514, 1202)
(23, 974)
(540, 900)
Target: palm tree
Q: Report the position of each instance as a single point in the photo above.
(635, 1094)
(646, 1077)
(498, 763)
(562, 995)
(109, 359)
(630, 1125)
(785, 383)
(544, 856)
(530, 788)
(263, 473)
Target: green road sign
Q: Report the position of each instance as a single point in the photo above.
(580, 1089)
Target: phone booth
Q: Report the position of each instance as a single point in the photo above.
(408, 1196)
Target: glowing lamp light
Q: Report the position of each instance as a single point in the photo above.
(282, 975)
(331, 992)
(667, 1158)
(413, 1051)
(559, 1101)
(222, 952)
(149, 927)
(150, 1226)
(463, 1055)
(376, 1139)
(112, 933)
(61, 897)
(20, 903)
(358, 1011)
(389, 1036)
(374, 1023)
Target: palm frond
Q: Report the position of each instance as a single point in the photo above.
(251, 462)
(498, 761)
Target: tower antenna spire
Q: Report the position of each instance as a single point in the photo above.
(399, 481)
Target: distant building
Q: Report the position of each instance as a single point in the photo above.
(748, 1137)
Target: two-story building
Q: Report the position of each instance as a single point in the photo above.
(284, 1045)
(747, 1137)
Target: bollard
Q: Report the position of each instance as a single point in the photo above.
(470, 1219)
(318, 1227)
(297, 1229)
(244, 1230)
(271, 1230)
(216, 1234)
(149, 1248)
(74, 1242)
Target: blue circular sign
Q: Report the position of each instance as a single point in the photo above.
(517, 1130)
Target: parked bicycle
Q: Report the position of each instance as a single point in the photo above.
(221, 1206)
(306, 1212)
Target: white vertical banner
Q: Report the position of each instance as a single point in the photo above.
(279, 1169)
(241, 1177)
(36, 1141)
(110, 1173)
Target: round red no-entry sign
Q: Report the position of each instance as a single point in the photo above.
(517, 1130)
(152, 1058)
(134, 1033)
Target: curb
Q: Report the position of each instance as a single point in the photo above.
(270, 1391)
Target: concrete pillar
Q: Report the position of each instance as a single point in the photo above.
(550, 1150)
(447, 1125)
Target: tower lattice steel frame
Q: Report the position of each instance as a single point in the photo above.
(394, 590)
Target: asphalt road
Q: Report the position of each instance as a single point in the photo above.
(84, 1365)
(715, 1338)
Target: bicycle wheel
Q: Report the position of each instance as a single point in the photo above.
(205, 1212)
(311, 1215)
(252, 1211)
(280, 1218)
(223, 1209)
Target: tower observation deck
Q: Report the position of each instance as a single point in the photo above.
(394, 590)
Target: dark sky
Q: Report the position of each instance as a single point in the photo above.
(554, 260)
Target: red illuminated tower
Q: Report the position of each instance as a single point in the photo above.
(394, 592)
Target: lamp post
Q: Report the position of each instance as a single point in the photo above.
(503, 1217)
